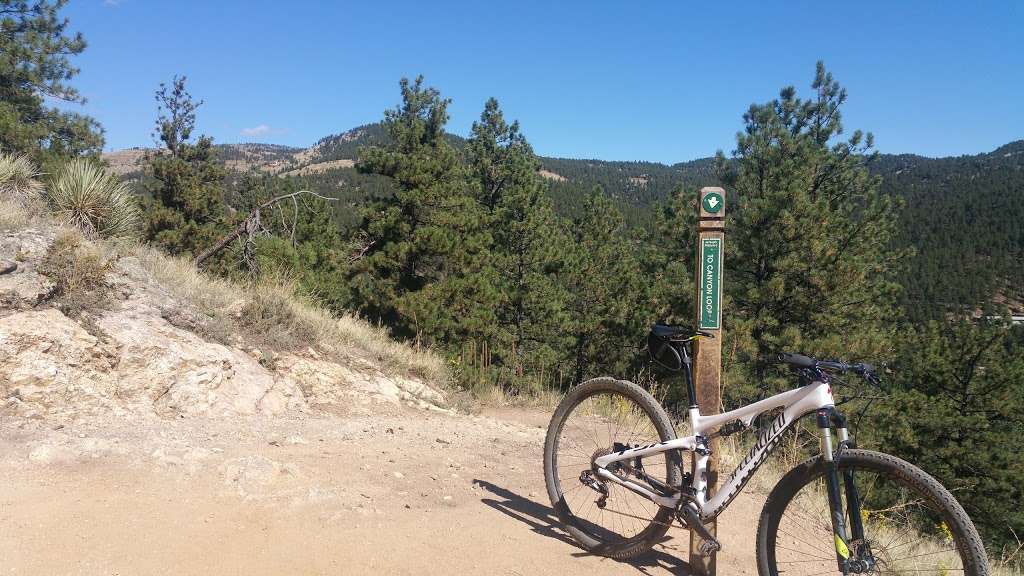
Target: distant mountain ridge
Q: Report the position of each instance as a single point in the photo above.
(964, 215)
(634, 182)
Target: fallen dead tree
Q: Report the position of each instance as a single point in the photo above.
(252, 225)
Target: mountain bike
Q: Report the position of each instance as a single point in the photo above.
(614, 471)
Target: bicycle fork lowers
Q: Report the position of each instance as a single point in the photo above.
(844, 534)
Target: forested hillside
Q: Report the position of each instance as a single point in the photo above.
(964, 216)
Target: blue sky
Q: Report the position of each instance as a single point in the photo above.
(661, 81)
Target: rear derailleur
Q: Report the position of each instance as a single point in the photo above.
(587, 479)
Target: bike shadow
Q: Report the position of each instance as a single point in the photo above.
(542, 520)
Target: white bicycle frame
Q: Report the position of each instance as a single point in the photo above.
(795, 404)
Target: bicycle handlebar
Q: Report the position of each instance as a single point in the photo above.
(803, 362)
(797, 360)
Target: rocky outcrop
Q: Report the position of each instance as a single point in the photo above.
(131, 360)
(21, 288)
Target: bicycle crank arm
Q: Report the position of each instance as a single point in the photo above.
(690, 518)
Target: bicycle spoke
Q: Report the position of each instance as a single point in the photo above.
(896, 519)
(597, 425)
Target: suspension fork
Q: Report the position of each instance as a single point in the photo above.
(853, 508)
(835, 499)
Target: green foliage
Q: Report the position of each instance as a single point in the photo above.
(185, 212)
(469, 256)
(527, 251)
(348, 145)
(609, 296)
(84, 195)
(426, 273)
(669, 257)
(809, 252)
(34, 49)
(298, 240)
(248, 154)
(963, 215)
(634, 187)
(955, 407)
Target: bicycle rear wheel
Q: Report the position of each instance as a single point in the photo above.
(594, 419)
(911, 524)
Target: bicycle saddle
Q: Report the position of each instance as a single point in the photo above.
(678, 333)
(667, 345)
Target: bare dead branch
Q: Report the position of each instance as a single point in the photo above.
(361, 251)
(252, 225)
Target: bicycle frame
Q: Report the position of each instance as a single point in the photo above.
(795, 404)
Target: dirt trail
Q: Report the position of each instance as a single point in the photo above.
(405, 492)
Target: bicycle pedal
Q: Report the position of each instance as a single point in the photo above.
(708, 547)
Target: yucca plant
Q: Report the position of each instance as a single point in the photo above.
(19, 177)
(84, 195)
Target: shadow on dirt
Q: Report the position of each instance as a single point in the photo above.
(542, 520)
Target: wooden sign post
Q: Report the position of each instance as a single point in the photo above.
(708, 356)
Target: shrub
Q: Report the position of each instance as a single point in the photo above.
(78, 269)
(84, 195)
(19, 178)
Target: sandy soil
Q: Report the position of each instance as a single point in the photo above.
(405, 492)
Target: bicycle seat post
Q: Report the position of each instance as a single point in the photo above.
(688, 365)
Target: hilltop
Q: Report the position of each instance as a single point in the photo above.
(331, 161)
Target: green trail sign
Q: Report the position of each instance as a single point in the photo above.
(710, 283)
(712, 202)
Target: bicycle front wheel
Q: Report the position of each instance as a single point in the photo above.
(594, 419)
(910, 524)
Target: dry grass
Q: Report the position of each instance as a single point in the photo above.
(1011, 564)
(210, 295)
(20, 201)
(78, 269)
(287, 320)
(540, 398)
(374, 341)
(13, 215)
(497, 396)
(272, 313)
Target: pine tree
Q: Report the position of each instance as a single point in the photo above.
(809, 257)
(955, 407)
(426, 274)
(669, 256)
(186, 211)
(529, 245)
(609, 303)
(34, 48)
